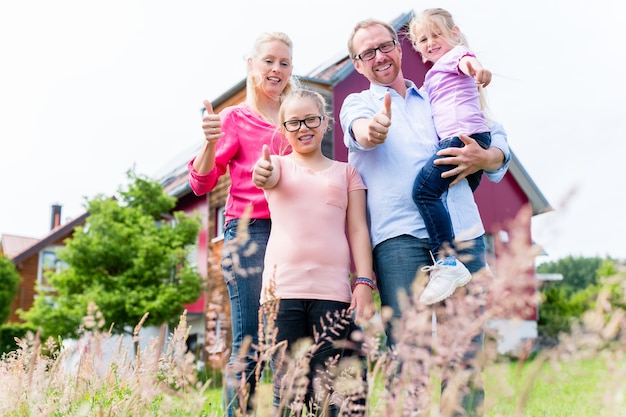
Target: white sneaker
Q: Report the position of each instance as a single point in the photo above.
(446, 275)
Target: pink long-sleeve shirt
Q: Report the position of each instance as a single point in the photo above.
(245, 133)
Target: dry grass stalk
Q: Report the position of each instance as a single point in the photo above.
(47, 379)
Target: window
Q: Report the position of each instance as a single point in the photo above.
(219, 223)
(490, 247)
(48, 263)
(192, 256)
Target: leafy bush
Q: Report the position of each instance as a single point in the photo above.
(8, 334)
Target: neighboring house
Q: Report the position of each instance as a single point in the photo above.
(498, 203)
(33, 257)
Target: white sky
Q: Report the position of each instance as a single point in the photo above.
(90, 89)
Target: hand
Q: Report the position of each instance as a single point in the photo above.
(211, 124)
(468, 159)
(482, 76)
(363, 303)
(263, 168)
(379, 125)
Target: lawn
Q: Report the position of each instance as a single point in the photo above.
(584, 388)
(550, 389)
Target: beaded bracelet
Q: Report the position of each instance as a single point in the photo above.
(365, 281)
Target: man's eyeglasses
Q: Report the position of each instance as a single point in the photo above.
(370, 54)
(310, 122)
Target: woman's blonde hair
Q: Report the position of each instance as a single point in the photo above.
(253, 78)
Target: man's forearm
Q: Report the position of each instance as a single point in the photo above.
(495, 159)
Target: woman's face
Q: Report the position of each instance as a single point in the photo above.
(299, 116)
(272, 66)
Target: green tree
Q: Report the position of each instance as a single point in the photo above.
(9, 281)
(578, 273)
(564, 302)
(129, 259)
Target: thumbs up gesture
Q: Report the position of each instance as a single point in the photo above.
(379, 125)
(211, 124)
(262, 173)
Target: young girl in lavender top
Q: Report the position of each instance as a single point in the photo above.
(453, 85)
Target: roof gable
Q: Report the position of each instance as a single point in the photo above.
(56, 235)
(13, 245)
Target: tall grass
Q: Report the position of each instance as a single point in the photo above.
(583, 375)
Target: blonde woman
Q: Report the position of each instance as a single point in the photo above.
(234, 139)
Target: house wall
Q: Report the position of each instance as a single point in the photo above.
(26, 291)
(28, 268)
(499, 202)
(209, 239)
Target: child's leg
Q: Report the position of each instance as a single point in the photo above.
(332, 327)
(291, 325)
(428, 188)
(484, 140)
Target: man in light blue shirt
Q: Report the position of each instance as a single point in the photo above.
(390, 135)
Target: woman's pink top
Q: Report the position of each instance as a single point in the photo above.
(308, 255)
(245, 133)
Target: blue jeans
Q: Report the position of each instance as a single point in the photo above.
(396, 264)
(429, 187)
(299, 319)
(242, 266)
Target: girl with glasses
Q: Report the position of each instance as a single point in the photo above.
(234, 140)
(318, 222)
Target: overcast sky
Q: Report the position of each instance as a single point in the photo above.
(90, 89)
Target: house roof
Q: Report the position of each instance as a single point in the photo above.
(537, 200)
(13, 245)
(55, 235)
(332, 72)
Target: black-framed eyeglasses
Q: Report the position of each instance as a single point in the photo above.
(370, 54)
(310, 122)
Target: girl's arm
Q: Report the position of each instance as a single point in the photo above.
(359, 238)
(470, 66)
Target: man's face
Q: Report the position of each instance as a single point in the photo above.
(384, 68)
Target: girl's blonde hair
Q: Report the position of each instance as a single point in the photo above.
(437, 22)
(253, 79)
(300, 94)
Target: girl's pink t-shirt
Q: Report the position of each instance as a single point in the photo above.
(308, 255)
(245, 133)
